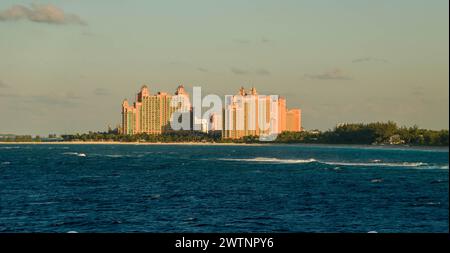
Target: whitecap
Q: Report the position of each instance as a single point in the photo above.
(443, 167)
(269, 160)
(400, 164)
(75, 154)
(114, 156)
(5, 163)
(8, 147)
(373, 163)
(155, 196)
(43, 203)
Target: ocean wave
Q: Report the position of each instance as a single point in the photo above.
(121, 156)
(75, 154)
(269, 160)
(5, 163)
(438, 181)
(8, 147)
(43, 203)
(372, 163)
(411, 165)
(115, 156)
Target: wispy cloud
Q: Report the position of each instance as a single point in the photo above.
(51, 100)
(202, 69)
(238, 71)
(265, 40)
(262, 72)
(101, 92)
(3, 84)
(334, 74)
(68, 99)
(370, 59)
(47, 13)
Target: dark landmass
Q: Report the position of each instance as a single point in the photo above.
(378, 133)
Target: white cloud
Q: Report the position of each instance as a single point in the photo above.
(47, 13)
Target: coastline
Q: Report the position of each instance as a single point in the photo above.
(445, 148)
(131, 143)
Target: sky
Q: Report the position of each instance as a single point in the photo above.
(66, 65)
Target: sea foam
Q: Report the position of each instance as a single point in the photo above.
(372, 163)
(75, 154)
(270, 160)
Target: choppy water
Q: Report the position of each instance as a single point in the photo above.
(182, 188)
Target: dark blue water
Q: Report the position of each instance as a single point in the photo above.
(182, 188)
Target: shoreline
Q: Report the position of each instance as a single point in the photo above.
(226, 144)
(129, 143)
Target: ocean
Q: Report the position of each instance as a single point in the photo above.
(223, 188)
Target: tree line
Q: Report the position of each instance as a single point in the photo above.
(378, 133)
(373, 133)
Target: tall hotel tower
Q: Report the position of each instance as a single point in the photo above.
(247, 114)
(152, 113)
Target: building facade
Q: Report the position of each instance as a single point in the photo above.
(250, 114)
(245, 114)
(152, 114)
(294, 120)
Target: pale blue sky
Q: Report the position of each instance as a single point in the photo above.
(339, 61)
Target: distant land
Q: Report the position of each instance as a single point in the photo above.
(378, 133)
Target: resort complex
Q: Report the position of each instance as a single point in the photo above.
(244, 114)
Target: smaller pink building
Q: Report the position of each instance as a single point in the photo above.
(294, 120)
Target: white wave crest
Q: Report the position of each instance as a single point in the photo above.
(269, 160)
(378, 164)
(373, 163)
(114, 156)
(75, 154)
(436, 167)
